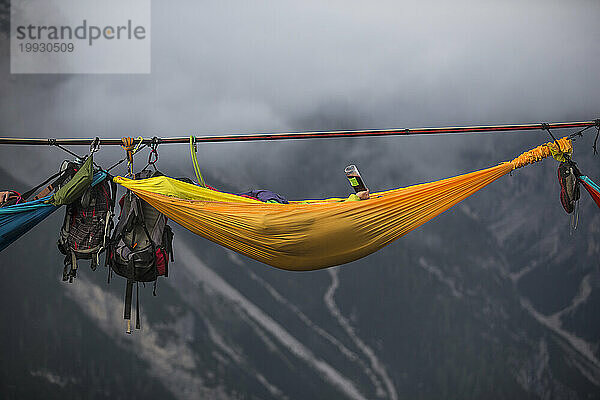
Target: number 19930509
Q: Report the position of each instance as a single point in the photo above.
(46, 47)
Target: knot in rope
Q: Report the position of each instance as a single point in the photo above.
(560, 149)
(130, 147)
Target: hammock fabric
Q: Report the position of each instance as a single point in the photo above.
(17, 220)
(592, 188)
(314, 234)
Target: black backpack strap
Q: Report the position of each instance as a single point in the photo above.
(67, 268)
(108, 264)
(94, 261)
(62, 244)
(28, 193)
(62, 176)
(73, 273)
(70, 268)
(137, 305)
(127, 311)
(168, 242)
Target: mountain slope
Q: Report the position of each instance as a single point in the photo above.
(491, 299)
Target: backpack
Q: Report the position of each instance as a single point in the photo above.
(140, 247)
(87, 225)
(569, 185)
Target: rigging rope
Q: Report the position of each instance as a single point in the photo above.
(131, 148)
(311, 135)
(53, 143)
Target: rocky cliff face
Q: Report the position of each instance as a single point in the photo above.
(493, 299)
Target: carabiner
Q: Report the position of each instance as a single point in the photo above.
(95, 146)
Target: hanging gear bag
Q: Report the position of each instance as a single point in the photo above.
(569, 185)
(88, 219)
(140, 247)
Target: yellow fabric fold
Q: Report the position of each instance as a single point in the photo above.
(182, 190)
(314, 234)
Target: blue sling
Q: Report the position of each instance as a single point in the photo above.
(18, 219)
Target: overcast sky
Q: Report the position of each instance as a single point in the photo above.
(224, 67)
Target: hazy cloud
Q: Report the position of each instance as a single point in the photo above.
(220, 67)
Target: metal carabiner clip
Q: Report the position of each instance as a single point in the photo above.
(95, 146)
(153, 155)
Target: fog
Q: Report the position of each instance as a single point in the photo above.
(238, 67)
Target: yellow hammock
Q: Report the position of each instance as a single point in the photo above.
(315, 234)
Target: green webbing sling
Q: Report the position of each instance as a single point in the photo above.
(193, 150)
(76, 186)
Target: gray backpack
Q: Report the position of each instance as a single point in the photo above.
(140, 247)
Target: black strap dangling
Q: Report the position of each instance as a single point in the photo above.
(127, 311)
(137, 305)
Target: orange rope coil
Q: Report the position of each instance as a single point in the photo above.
(560, 152)
(128, 145)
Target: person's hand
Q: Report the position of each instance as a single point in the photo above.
(363, 195)
(4, 196)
